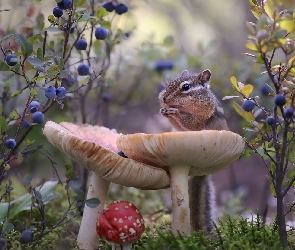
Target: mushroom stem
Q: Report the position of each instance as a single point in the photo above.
(180, 199)
(87, 238)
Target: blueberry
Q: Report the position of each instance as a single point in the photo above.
(50, 92)
(69, 80)
(280, 100)
(3, 243)
(248, 105)
(110, 6)
(122, 154)
(270, 120)
(61, 92)
(38, 117)
(83, 69)
(8, 59)
(81, 44)
(27, 236)
(65, 4)
(10, 143)
(57, 12)
(34, 106)
(288, 112)
(106, 97)
(101, 33)
(121, 8)
(162, 65)
(265, 90)
(71, 30)
(25, 124)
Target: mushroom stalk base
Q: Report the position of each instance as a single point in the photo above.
(180, 199)
(87, 237)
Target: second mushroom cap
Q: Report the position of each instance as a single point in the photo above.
(206, 151)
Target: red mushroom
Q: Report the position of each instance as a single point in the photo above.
(120, 223)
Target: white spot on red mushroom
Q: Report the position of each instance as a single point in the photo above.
(130, 217)
(132, 231)
(120, 220)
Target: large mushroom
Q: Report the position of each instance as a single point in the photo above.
(191, 153)
(120, 223)
(94, 148)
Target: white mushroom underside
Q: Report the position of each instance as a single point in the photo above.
(104, 162)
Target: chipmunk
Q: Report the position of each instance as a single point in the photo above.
(190, 105)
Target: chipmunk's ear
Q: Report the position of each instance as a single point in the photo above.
(205, 77)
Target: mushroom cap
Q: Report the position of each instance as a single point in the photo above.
(206, 151)
(120, 223)
(94, 148)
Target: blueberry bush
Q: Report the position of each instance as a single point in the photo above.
(48, 66)
(270, 129)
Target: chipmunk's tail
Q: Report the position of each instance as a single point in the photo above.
(202, 203)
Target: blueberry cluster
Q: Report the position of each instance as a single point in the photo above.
(51, 92)
(119, 8)
(37, 117)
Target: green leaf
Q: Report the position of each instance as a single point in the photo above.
(61, 64)
(256, 11)
(287, 25)
(7, 36)
(13, 114)
(92, 203)
(20, 39)
(253, 2)
(27, 179)
(252, 47)
(168, 40)
(33, 39)
(234, 83)
(51, 19)
(24, 202)
(33, 93)
(80, 3)
(3, 124)
(4, 66)
(247, 90)
(7, 228)
(15, 93)
(291, 173)
(39, 53)
(101, 12)
(35, 62)
(27, 49)
(291, 150)
(75, 184)
(105, 24)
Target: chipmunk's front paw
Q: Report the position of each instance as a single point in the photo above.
(168, 111)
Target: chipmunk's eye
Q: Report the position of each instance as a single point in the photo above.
(185, 86)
